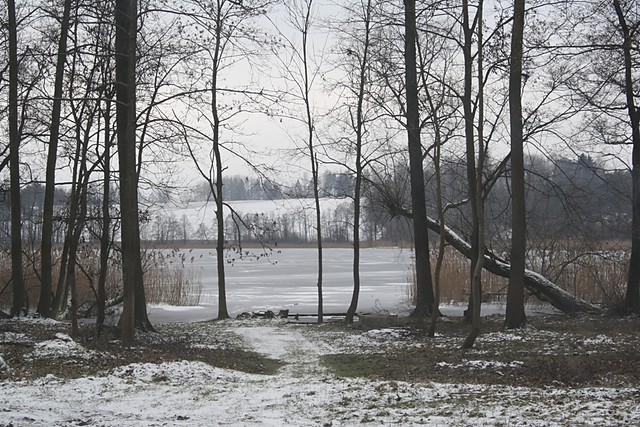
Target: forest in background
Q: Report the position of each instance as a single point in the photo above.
(567, 200)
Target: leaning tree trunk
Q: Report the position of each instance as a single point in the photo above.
(536, 283)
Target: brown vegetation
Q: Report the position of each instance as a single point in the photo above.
(167, 280)
(596, 276)
(554, 350)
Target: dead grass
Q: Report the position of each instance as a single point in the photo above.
(593, 272)
(167, 280)
(553, 351)
(171, 343)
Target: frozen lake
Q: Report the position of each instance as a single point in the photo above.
(287, 279)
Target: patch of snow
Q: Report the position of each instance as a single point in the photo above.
(302, 393)
(5, 369)
(176, 373)
(62, 346)
(501, 337)
(481, 364)
(598, 340)
(14, 338)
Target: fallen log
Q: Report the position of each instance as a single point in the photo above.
(536, 283)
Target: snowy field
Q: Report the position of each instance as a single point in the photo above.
(302, 393)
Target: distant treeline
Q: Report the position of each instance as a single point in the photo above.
(248, 188)
(566, 198)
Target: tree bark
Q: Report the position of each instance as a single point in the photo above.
(515, 316)
(632, 297)
(44, 303)
(359, 130)
(125, 48)
(19, 304)
(424, 287)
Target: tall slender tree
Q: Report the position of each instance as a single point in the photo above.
(629, 34)
(474, 169)
(301, 70)
(222, 34)
(358, 64)
(125, 53)
(17, 274)
(46, 262)
(515, 315)
(424, 286)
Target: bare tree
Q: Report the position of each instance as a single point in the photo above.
(301, 71)
(19, 301)
(598, 45)
(223, 36)
(515, 316)
(46, 262)
(125, 51)
(357, 114)
(424, 286)
(629, 34)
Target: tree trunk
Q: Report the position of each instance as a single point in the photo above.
(217, 189)
(316, 196)
(105, 237)
(309, 122)
(125, 49)
(632, 297)
(46, 264)
(359, 129)
(223, 312)
(472, 186)
(515, 316)
(424, 287)
(60, 297)
(353, 306)
(19, 304)
(441, 221)
(475, 194)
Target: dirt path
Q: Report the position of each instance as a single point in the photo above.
(302, 393)
(287, 344)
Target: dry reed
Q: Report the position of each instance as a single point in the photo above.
(165, 282)
(598, 276)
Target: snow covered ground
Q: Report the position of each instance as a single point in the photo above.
(302, 393)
